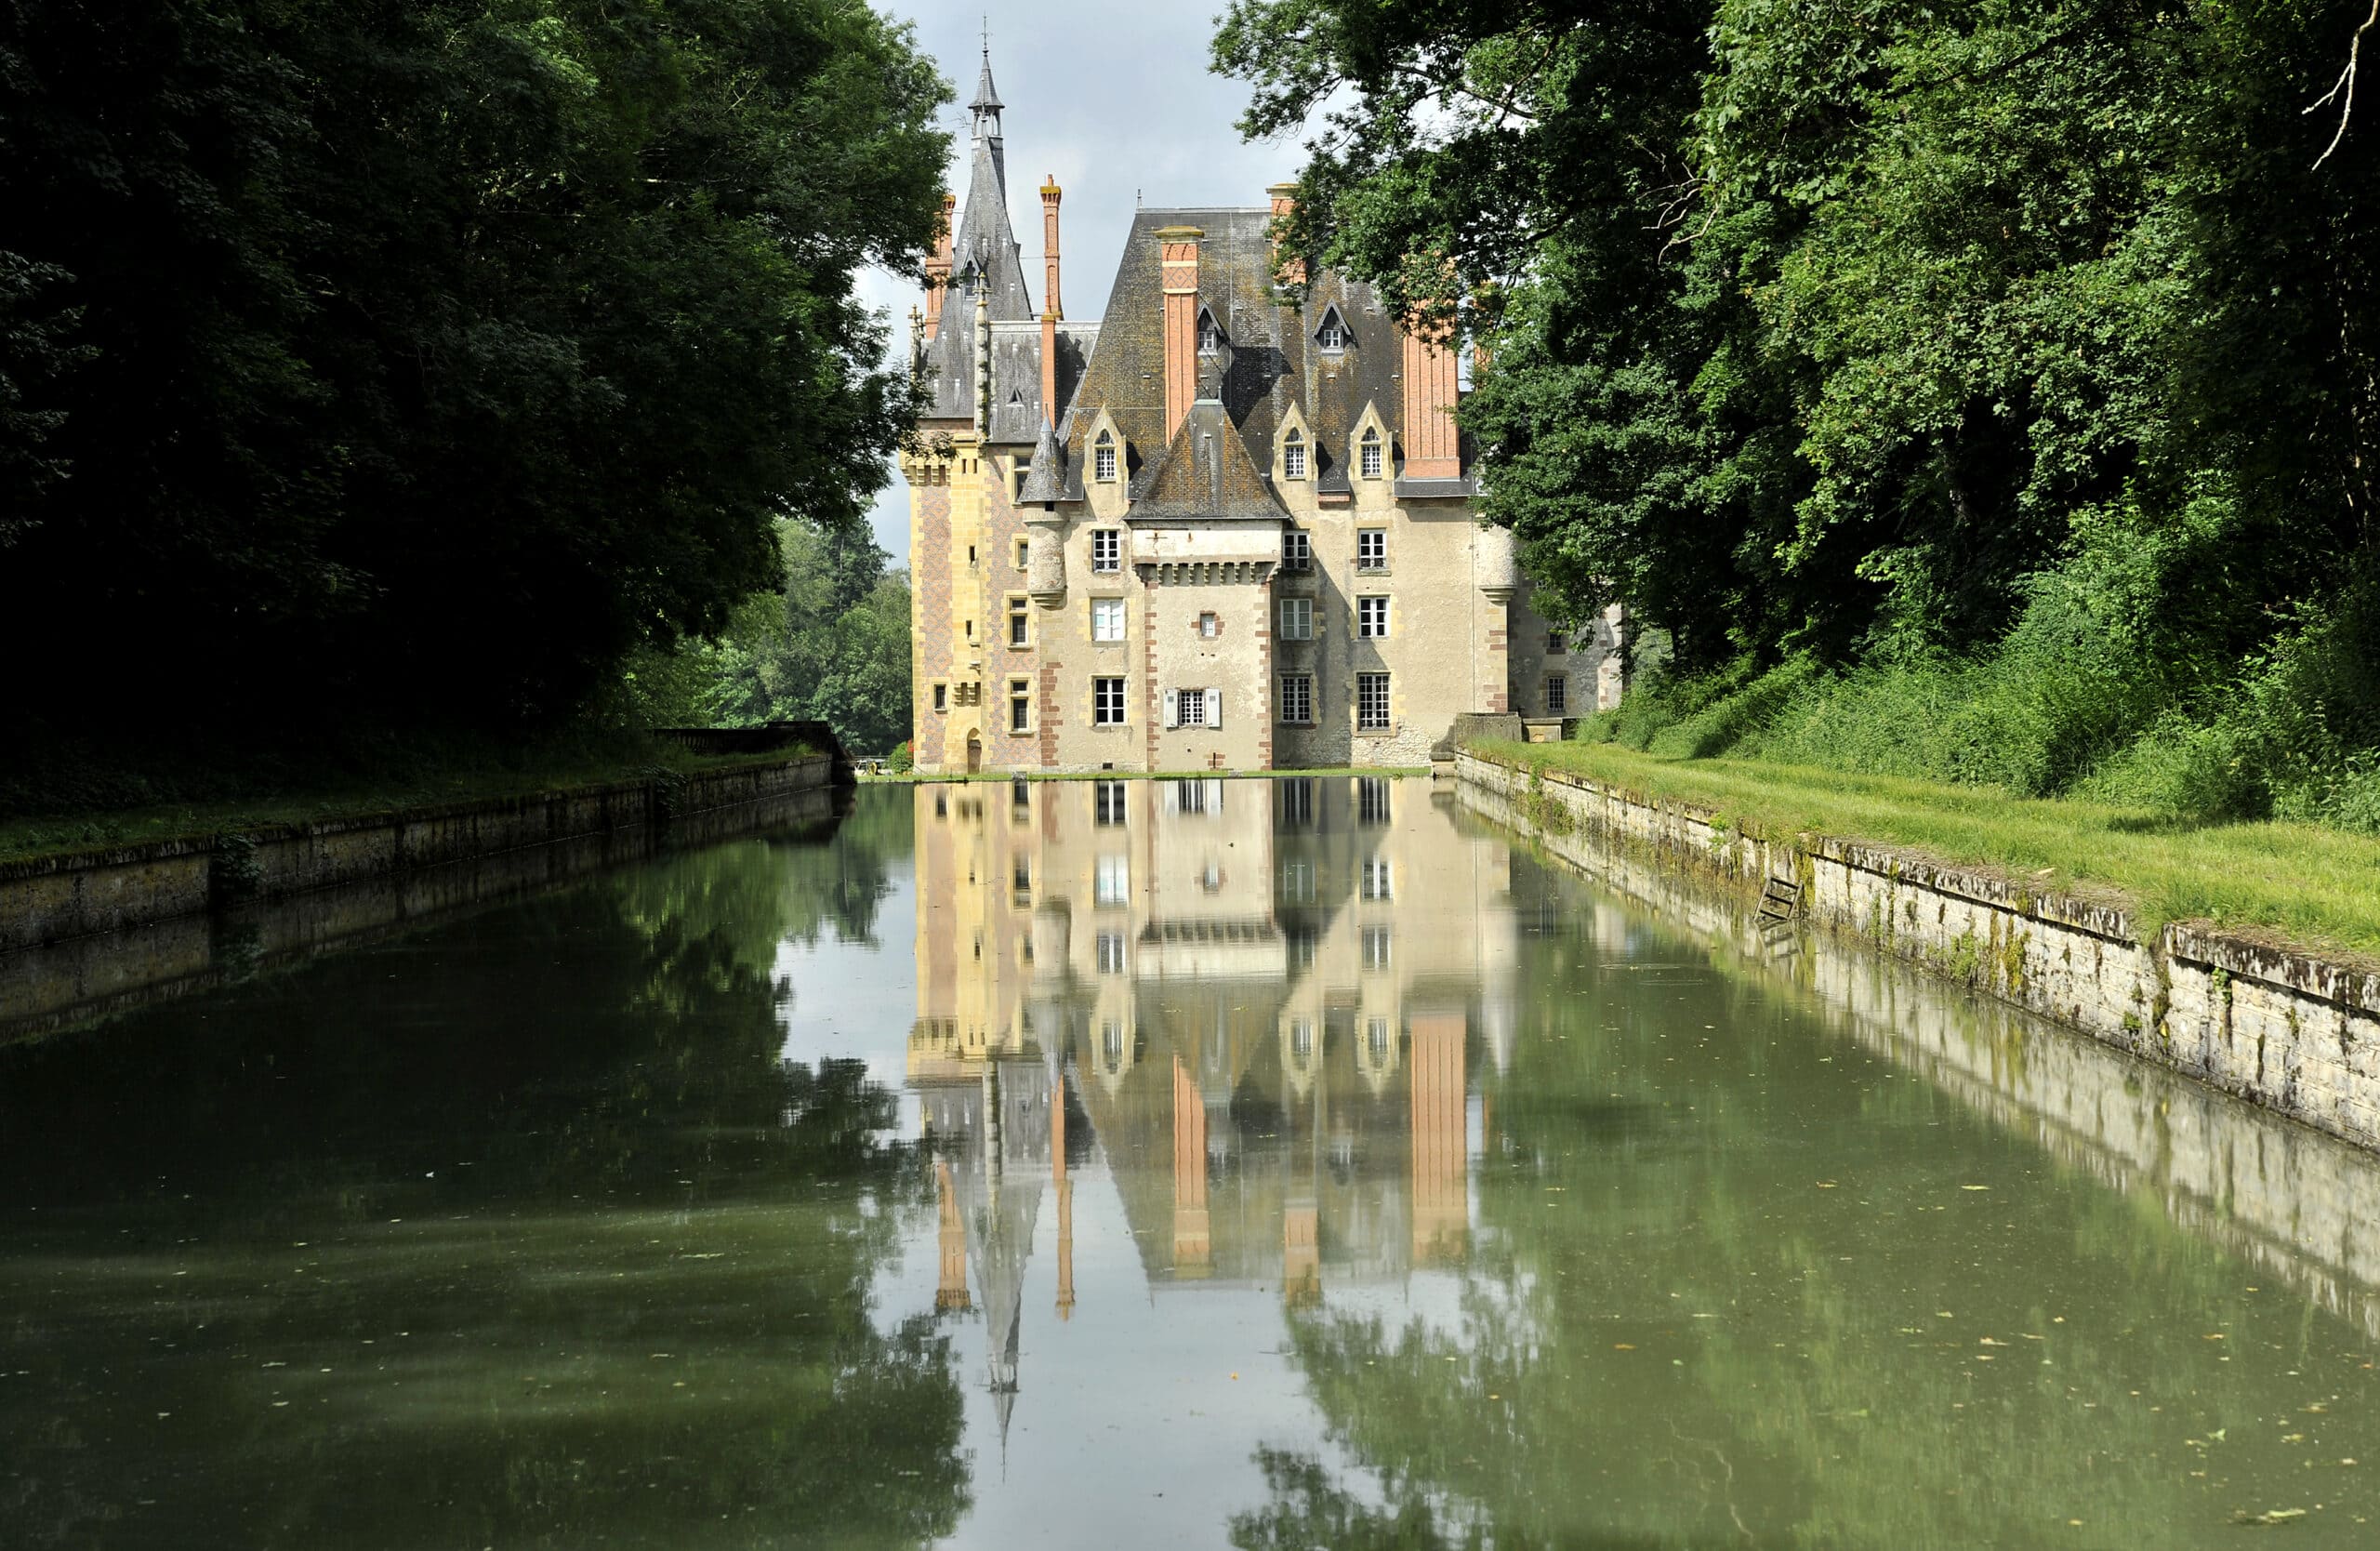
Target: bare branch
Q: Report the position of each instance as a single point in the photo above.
(2343, 90)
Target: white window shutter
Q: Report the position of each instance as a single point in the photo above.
(1172, 716)
(1215, 709)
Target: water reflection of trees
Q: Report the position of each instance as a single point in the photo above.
(1727, 1291)
(517, 1231)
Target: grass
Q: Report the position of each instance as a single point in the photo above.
(464, 775)
(2301, 884)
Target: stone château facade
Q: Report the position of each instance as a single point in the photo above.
(1217, 530)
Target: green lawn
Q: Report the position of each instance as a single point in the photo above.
(316, 796)
(2298, 883)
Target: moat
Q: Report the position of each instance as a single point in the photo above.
(1269, 1164)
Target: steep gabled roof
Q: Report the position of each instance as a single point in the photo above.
(1206, 473)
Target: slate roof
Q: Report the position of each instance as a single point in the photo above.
(1206, 472)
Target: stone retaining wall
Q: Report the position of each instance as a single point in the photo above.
(53, 899)
(2284, 1031)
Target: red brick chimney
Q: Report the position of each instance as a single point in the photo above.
(1285, 204)
(1432, 448)
(1051, 308)
(1178, 246)
(938, 269)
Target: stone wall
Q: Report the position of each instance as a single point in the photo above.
(53, 899)
(2282, 1031)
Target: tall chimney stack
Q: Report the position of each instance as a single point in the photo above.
(1285, 204)
(938, 269)
(1178, 248)
(1051, 308)
(1433, 446)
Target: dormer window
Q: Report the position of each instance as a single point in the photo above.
(1293, 456)
(1103, 459)
(1334, 336)
(1368, 459)
(1210, 334)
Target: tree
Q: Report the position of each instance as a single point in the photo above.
(416, 360)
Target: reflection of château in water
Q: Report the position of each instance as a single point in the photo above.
(1256, 1000)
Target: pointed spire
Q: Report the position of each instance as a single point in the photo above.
(987, 97)
(1046, 480)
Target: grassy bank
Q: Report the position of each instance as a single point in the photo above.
(2300, 884)
(297, 790)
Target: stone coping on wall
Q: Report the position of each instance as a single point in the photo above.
(2286, 1029)
(62, 896)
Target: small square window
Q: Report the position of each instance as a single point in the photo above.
(1372, 702)
(1297, 551)
(1556, 646)
(1106, 549)
(1371, 617)
(1297, 619)
(1371, 549)
(1107, 710)
(1107, 619)
(1210, 626)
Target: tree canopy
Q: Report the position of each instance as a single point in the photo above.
(1891, 332)
(422, 359)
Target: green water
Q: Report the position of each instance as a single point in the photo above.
(1270, 1164)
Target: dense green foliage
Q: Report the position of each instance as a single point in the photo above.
(1983, 389)
(831, 645)
(414, 362)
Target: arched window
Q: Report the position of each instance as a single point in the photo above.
(1293, 456)
(1370, 454)
(1103, 459)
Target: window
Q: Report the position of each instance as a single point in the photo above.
(1297, 551)
(1210, 335)
(1020, 621)
(1369, 455)
(1371, 549)
(1293, 456)
(1557, 694)
(1111, 953)
(1107, 805)
(1297, 699)
(1210, 626)
(1103, 459)
(1304, 940)
(1107, 704)
(1372, 702)
(1189, 797)
(1334, 335)
(1020, 800)
(1020, 705)
(1210, 878)
(971, 629)
(971, 554)
(1112, 882)
(1023, 553)
(1107, 549)
(1371, 617)
(1371, 799)
(1107, 619)
(1375, 879)
(1194, 708)
(1376, 1038)
(1376, 951)
(1296, 802)
(1111, 1044)
(1302, 1040)
(1021, 882)
(1556, 647)
(942, 697)
(1297, 619)
(1297, 883)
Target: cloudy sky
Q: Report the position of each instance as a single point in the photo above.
(1112, 97)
